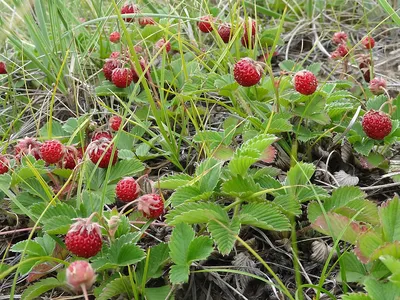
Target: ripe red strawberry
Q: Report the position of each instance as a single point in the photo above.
(305, 82)
(163, 43)
(377, 85)
(250, 23)
(146, 21)
(248, 42)
(368, 42)
(127, 189)
(122, 77)
(52, 151)
(84, 238)
(224, 31)
(100, 151)
(205, 24)
(343, 50)
(70, 159)
(4, 164)
(376, 124)
(339, 37)
(247, 72)
(102, 134)
(151, 205)
(365, 63)
(129, 8)
(115, 37)
(109, 66)
(27, 146)
(80, 274)
(3, 69)
(115, 122)
(143, 66)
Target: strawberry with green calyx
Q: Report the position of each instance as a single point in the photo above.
(84, 238)
(102, 152)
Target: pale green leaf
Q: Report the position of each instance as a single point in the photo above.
(355, 270)
(181, 237)
(224, 234)
(381, 290)
(57, 225)
(117, 287)
(390, 218)
(179, 274)
(126, 255)
(125, 168)
(264, 215)
(39, 288)
(208, 174)
(391, 263)
(158, 293)
(367, 243)
(175, 181)
(239, 186)
(289, 203)
(186, 212)
(157, 258)
(33, 248)
(187, 193)
(199, 249)
(356, 296)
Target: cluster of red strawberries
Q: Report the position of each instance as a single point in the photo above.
(208, 23)
(84, 237)
(119, 67)
(100, 150)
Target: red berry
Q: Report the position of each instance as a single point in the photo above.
(27, 146)
(129, 8)
(305, 82)
(205, 24)
(100, 151)
(247, 72)
(143, 66)
(250, 23)
(368, 42)
(163, 43)
(224, 31)
(122, 77)
(146, 21)
(4, 164)
(109, 66)
(102, 134)
(127, 189)
(343, 50)
(376, 124)
(151, 205)
(339, 37)
(115, 37)
(377, 85)
(3, 69)
(84, 238)
(248, 43)
(80, 273)
(365, 63)
(52, 151)
(70, 159)
(115, 122)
